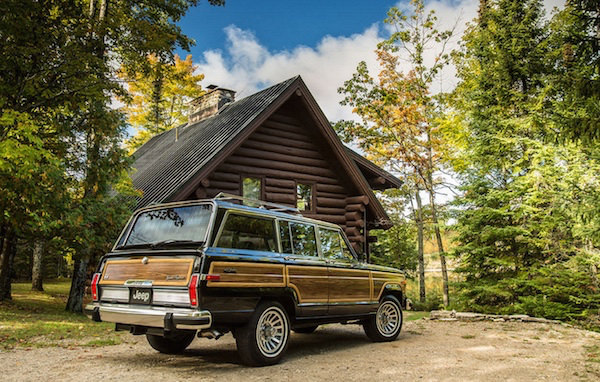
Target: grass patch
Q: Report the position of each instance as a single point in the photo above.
(592, 353)
(468, 336)
(39, 319)
(413, 316)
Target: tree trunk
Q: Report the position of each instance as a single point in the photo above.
(440, 245)
(7, 254)
(36, 269)
(421, 257)
(75, 301)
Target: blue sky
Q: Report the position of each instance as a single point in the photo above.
(281, 25)
(249, 45)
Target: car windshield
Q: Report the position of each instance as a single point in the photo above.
(176, 225)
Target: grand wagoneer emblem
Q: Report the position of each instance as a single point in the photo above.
(175, 277)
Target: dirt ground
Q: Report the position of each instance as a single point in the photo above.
(425, 351)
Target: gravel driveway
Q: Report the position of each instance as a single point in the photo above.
(426, 350)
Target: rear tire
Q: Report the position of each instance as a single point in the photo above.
(386, 324)
(264, 339)
(173, 344)
(306, 329)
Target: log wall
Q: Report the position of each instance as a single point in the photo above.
(283, 153)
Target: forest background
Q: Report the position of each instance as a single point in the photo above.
(517, 137)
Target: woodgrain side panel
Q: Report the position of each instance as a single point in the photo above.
(309, 282)
(349, 285)
(171, 272)
(246, 275)
(381, 279)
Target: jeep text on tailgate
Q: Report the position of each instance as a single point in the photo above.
(211, 267)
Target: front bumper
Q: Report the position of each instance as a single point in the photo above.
(150, 316)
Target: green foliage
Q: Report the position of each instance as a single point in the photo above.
(527, 225)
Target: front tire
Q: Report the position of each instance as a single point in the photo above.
(173, 344)
(264, 339)
(386, 324)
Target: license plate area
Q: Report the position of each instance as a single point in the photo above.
(141, 296)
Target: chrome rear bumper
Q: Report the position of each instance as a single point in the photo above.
(151, 316)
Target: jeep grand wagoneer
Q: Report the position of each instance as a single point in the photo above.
(210, 267)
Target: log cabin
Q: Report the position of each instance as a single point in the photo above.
(275, 145)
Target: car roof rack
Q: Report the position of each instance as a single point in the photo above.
(260, 203)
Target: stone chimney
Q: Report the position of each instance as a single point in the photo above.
(210, 103)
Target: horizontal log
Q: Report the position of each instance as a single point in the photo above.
(357, 199)
(225, 176)
(278, 148)
(205, 183)
(280, 190)
(358, 238)
(379, 180)
(280, 198)
(356, 223)
(355, 207)
(201, 193)
(328, 218)
(331, 188)
(264, 154)
(330, 210)
(357, 247)
(212, 192)
(283, 130)
(276, 165)
(282, 141)
(330, 202)
(352, 231)
(284, 118)
(252, 169)
(224, 185)
(285, 183)
(353, 215)
(331, 195)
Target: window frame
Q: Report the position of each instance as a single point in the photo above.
(293, 221)
(354, 260)
(313, 198)
(252, 215)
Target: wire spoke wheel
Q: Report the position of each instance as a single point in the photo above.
(271, 332)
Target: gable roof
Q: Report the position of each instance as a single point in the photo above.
(169, 168)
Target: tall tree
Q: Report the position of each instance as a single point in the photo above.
(399, 114)
(159, 100)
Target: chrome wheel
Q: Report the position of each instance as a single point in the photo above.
(271, 332)
(389, 319)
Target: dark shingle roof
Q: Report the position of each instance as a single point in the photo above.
(163, 165)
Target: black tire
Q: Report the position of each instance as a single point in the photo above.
(386, 324)
(173, 344)
(306, 329)
(264, 339)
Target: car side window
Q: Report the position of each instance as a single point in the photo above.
(248, 232)
(334, 246)
(304, 240)
(285, 237)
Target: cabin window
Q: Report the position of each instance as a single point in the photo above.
(248, 232)
(304, 240)
(251, 188)
(333, 245)
(304, 197)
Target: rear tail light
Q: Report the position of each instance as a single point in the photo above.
(213, 277)
(94, 286)
(193, 290)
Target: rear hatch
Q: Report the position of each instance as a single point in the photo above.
(147, 280)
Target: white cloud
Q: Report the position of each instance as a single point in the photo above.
(249, 66)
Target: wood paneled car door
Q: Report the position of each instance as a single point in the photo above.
(306, 272)
(350, 287)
